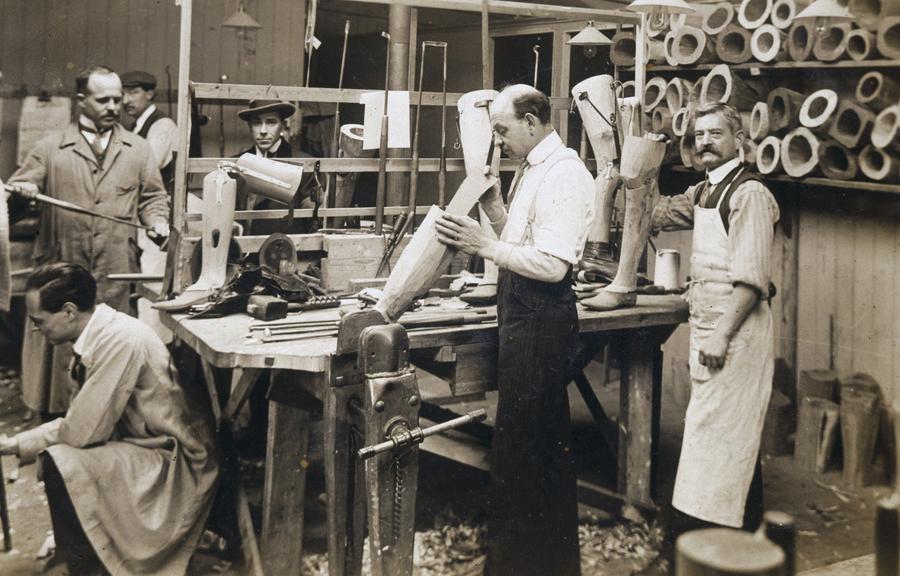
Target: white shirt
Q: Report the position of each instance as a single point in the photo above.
(81, 341)
(89, 136)
(716, 175)
(550, 213)
(162, 136)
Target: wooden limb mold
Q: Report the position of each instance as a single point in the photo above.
(886, 129)
(877, 91)
(784, 109)
(733, 45)
(888, 37)
(817, 111)
(693, 46)
(718, 18)
(831, 45)
(878, 165)
(752, 14)
(768, 156)
(721, 85)
(852, 124)
(800, 152)
(837, 162)
(759, 121)
(801, 38)
(769, 44)
(861, 45)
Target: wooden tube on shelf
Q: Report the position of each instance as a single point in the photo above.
(655, 51)
(768, 156)
(831, 45)
(878, 165)
(678, 94)
(817, 111)
(886, 129)
(721, 85)
(801, 39)
(784, 109)
(718, 18)
(733, 45)
(654, 92)
(759, 121)
(669, 48)
(868, 13)
(693, 46)
(888, 38)
(783, 13)
(661, 122)
(877, 90)
(752, 14)
(861, 45)
(748, 152)
(769, 44)
(837, 162)
(800, 152)
(681, 121)
(657, 25)
(695, 18)
(852, 124)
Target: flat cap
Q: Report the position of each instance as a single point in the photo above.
(257, 107)
(140, 78)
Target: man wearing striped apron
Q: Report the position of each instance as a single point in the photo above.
(532, 519)
(733, 216)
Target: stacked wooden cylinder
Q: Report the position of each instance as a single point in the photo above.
(842, 127)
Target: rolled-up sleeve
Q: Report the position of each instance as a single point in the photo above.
(674, 212)
(751, 231)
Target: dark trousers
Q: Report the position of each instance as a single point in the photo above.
(72, 544)
(533, 513)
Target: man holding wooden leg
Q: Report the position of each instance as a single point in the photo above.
(733, 215)
(533, 524)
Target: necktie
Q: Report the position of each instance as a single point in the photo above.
(97, 144)
(517, 180)
(77, 369)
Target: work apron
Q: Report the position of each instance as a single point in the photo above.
(533, 513)
(725, 416)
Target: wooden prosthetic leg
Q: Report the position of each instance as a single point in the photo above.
(219, 194)
(351, 146)
(640, 156)
(481, 157)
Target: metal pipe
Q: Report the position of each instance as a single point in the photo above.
(383, 145)
(409, 437)
(537, 59)
(442, 170)
(414, 173)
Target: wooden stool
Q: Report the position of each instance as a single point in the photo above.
(727, 552)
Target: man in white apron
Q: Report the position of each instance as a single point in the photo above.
(733, 216)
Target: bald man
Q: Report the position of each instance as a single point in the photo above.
(533, 516)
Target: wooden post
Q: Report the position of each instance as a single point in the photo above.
(636, 418)
(179, 199)
(399, 24)
(859, 428)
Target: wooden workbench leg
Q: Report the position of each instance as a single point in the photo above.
(285, 488)
(636, 357)
(344, 481)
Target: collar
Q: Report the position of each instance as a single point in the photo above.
(271, 151)
(101, 313)
(543, 149)
(716, 175)
(85, 124)
(142, 119)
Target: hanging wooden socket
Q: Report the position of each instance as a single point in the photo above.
(818, 111)
(837, 162)
(801, 39)
(800, 152)
(877, 90)
(852, 124)
(654, 92)
(592, 94)
(754, 13)
(783, 13)
(759, 121)
(721, 85)
(768, 156)
(888, 37)
(769, 44)
(886, 129)
(831, 45)
(693, 46)
(861, 45)
(878, 165)
(678, 94)
(733, 45)
(717, 19)
(784, 109)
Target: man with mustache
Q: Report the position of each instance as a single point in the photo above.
(533, 513)
(99, 165)
(733, 216)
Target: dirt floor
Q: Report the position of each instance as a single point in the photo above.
(835, 522)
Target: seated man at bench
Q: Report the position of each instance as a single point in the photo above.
(131, 470)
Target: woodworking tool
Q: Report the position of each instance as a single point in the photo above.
(332, 180)
(442, 170)
(383, 144)
(537, 57)
(268, 308)
(399, 435)
(414, 175)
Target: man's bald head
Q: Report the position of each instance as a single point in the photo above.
(520, 117)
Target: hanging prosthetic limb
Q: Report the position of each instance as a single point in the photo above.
(641, 161)
(481, 157)
(351, 146)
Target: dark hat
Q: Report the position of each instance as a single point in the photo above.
(257, 107)
(140, 78)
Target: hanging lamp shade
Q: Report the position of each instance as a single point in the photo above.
(589, 36)
(825, 9)
(660, 7)
(241, 19)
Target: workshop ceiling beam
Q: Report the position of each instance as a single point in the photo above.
(524, 9)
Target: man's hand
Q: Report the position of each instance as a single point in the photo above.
(461, 232)
(159, 235)
(25, 189)
(713, 351)
(8, 446)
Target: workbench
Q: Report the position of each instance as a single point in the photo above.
(231, 366)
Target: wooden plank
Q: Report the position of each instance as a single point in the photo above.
(851, 64)
(248, 535)
(117, 49)
(285, 488)
(242, 382)
(844, 280)
(209, 377)
(206, 165)
(816, 182)
(895, 380)
(136, 31)
(884, 315)
(863, 293)
(34, 45)
(788, 309)
(308, 213)
(807, 339)
(636, 356)
(519, 9)
(825, 288)
(179, 198)
(57, 14)
(12, 57)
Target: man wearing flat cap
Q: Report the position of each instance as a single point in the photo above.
(160, 131)
(267, 121)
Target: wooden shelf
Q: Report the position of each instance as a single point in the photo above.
(328, 165)
(760, 66)
(845, 184)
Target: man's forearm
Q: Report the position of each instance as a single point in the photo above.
(743, 300)
(526, 261)
(493, 207)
